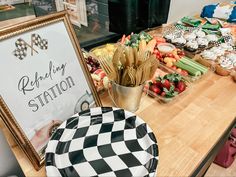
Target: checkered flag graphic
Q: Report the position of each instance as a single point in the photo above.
(39, 42)
(228, 39)
(177, 26)
(178, 33)
(216, 43)
(21, 49)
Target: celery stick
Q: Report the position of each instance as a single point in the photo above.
(190, 69)
(194, 64)
(198, 64)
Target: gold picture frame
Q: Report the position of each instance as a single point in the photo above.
(30, 59)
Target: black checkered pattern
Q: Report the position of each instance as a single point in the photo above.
(41, 43)
(228, 39)
(179, 33)
(21, 49)
(216, 43)
(102, 142)
(178, 27)
(185, 28)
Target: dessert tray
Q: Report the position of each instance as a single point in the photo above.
(193, 42)
(102, 141)
(222, 58)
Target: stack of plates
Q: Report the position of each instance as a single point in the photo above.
(102, 142)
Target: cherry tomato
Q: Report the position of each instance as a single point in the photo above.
(174, 67)
(163, 94)
(156, 51)
(158, 56)
(184, 73)
(170, 55)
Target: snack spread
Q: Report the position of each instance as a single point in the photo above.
(213, 41)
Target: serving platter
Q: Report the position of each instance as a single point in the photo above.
(102, 141)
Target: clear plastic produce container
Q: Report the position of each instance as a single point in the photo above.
(163, 99)
(192, 78)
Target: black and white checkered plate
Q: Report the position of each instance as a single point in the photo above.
(102, 141)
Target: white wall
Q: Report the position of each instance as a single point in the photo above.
(181, 8)
(8, 163)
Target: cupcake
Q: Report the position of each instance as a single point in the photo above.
(218, 51)
(200, 34)
(202, 42)
(179, 42)
(190, 36)
(226, 62)
(232, 56)
(212, 38)
(226, 46)
(191, 46)
(169, 37)
(209, 55)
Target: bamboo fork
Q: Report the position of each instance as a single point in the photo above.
(124, 79)
(108, 69)
(154, 65)
(131, 74)
(116, 61)
(138, 76)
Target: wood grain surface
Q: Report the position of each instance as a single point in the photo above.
(6, 23)
(186, 129)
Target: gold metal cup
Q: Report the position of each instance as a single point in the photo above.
(126, 97)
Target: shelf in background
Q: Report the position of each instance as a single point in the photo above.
(6, 7)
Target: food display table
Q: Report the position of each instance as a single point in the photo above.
(189, 130)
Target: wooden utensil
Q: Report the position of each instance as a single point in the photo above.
(108, 69)
(125, 76)
(122, 59)
(154, 65)
(129, 55)
(131, 73)
(138, 76)
(116, 56)
(135, 53)
(116, 61)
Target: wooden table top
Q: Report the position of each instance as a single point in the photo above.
(186, 129)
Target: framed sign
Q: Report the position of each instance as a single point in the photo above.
(44, 80)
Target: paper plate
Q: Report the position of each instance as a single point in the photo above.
(102, 141)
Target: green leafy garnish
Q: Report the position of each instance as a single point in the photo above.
(173, 77)
(136, 38)
(171, 92)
